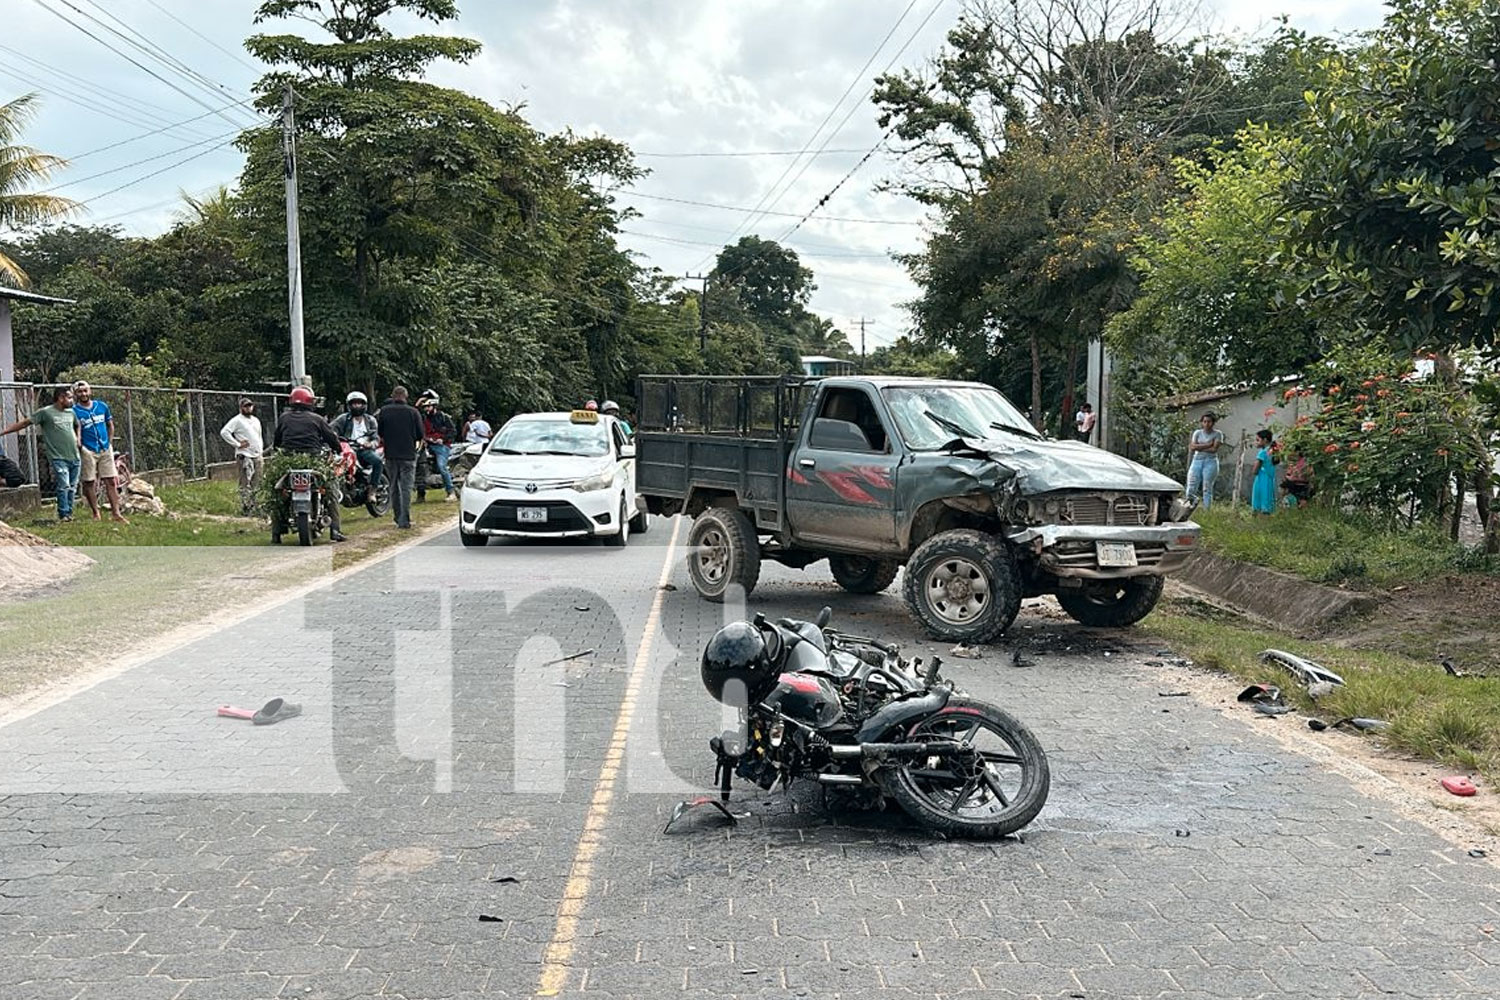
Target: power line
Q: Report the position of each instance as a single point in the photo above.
(787, 215)
(749, 220)
(137, 163)
(103, 107)
(147, 177)
(138, 65)
(739, 153)
(146, 135)
(237, 57)
(813, 254)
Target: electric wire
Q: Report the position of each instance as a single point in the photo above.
(787, 215)
(237, 57)
(149, 159)
(146, 135)
(750, 219)
(104, 107)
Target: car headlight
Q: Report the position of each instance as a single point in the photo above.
(475, 481)
(599, 481)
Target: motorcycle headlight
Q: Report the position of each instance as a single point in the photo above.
(599, 481)
(475, 481)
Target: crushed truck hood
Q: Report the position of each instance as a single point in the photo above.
(1044, 466)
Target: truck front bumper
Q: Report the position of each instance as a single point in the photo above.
(1073, 551)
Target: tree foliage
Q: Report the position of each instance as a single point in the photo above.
(21, 167)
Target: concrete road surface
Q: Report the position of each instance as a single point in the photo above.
(461, 812)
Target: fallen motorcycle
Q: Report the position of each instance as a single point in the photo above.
(848, 711)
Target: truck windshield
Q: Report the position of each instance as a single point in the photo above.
(550, 437)
(981, 412)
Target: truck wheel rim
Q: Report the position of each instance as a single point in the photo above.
(713, 556)
(958, 591)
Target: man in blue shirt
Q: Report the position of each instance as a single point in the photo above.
(96, 432)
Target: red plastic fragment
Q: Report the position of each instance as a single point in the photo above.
(1459, 786)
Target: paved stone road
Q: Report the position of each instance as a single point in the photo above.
(149, 849)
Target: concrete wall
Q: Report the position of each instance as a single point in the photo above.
(20, 501)
(1299, 605)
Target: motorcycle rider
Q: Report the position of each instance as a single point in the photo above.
(610, 408)
(439, 433)
(302, 431)
(357, 426)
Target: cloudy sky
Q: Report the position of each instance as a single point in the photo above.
(682, 82)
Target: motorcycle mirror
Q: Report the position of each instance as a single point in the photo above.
(824, 617)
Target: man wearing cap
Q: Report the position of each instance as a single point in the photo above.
(96, 432)
(243, 433)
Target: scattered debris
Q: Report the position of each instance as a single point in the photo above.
(1452, 670)
(1173, 694)
(1261, 694)
(1182, 833)
(276, 710)
(485, 918)
(1306, 671)
(1365, 725)
(506, 880)
(560, 684)
(581, 607)
(667, 586)
(565, 659)
(966, 652)
(1383, 852)
(1018, 660)
(1265, 708)
(1460, 786)
(703, 800)
(1320, 689)
(231, 712)
(1477, 852)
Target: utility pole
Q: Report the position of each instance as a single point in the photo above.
(862, 322)
(702, 310)
(293, 240)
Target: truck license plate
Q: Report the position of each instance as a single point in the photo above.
(1116, 553)
(538, 515)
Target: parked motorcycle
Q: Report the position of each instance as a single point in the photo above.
(850, 712)
(358, 491)
(461, 458)
(303, 506)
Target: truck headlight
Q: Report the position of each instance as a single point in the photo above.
(599, 481)
(475, 481)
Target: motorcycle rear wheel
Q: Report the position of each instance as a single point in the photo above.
(378, 497)
(964, 798)
(304, 528)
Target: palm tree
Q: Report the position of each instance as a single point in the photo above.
(214, 209)
(20, 167)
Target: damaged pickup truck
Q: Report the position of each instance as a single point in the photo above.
(945, 478)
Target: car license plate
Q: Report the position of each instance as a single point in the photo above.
(1116, 553)
(531, 515)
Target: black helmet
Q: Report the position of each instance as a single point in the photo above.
(738, 659)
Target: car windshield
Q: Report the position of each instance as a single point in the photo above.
(930, 416)
(529, 436)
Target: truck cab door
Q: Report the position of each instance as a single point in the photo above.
(841, 479)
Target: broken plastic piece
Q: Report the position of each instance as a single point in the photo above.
(1460, 786)
(1265, 708)
(565, 659)
(1304, 670)
(965, 652)
(485, 918)
(1269, 694)
(702, 800)
(231, 712)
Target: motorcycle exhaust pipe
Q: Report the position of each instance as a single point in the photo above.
(888, 750)
(840, 779)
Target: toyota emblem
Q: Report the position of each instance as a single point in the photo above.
(531, 487)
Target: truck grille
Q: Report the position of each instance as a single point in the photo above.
(1124, 509)
(1086, 557)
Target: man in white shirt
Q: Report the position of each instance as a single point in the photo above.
(244, 435)
(477, 430)
(1084, 420)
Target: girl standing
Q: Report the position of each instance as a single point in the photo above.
(1204, 468)
(1263, 490)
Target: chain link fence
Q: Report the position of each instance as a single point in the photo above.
(159, 429)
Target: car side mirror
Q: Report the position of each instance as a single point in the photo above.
(627, 451)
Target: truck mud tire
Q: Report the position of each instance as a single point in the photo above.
(863, 575)
(723, 551)
(963, 586)
(1112, 603)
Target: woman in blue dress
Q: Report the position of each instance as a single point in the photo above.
(1263, 489)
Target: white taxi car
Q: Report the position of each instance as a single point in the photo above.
(553, 475)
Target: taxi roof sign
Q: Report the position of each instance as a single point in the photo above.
(584, 416)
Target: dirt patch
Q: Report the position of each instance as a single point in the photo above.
(29, 564)
(382, 866)
(1457, 616)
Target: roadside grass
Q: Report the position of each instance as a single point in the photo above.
(1453, 721)
(1328, 546)
(159, 573)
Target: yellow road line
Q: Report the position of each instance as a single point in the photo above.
(559, 953)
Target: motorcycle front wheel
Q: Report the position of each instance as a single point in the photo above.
(995, 790)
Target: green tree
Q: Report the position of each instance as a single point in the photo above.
(1396, 187)
(20, 168)
(769, 279)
